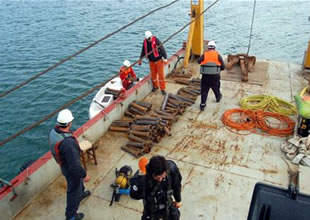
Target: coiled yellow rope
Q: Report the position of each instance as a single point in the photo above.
(268, 103)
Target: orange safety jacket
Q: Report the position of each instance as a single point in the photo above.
(153, 44)
(211, 64)
(124, 74)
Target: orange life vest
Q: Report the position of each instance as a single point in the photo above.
(211, 56)
(125, 70)
(211, 64)
(153, 44)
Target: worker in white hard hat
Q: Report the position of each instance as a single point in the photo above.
(66, 151)
(212, 64)
(127, 75)
(157, 59)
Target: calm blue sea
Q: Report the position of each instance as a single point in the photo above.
(36, 34)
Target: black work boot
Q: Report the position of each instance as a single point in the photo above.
(219, 98)
(154, 89)
(86, 193)
(202, 107)
(163, 92)
(79, 216)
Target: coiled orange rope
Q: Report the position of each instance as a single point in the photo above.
(270, 122)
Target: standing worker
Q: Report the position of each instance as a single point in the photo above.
(156, 188)
(157, 59)
(66, 151)
(127, 75)
(211, 65)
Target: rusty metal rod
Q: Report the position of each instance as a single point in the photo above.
(185, 75)
(146, 122)
(171, 118)
(148, 118)
(135, 105)
(135, 144)
(181, 98)
(172, 104)
(182, 81)
(121, 123)
(167, 131)
(188, 91)
(140, 133)
(135, 111)
(129, 114)
(186, 95)
(141, 127)
(135, 138)
(163, 113)
(133, 152)
(164, 102)
(144, 104)
(116, 128)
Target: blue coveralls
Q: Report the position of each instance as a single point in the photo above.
(71, 168)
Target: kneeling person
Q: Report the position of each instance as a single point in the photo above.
(127, 75)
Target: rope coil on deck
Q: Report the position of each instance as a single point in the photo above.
(268, 103)
(251, 120)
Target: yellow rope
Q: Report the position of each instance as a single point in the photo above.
(268, 103)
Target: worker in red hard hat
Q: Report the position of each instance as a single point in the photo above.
(127, 75)
(157, 59)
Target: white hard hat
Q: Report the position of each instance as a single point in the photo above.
(65, 116)
(126, 63)
(211, 44)
(148, 34)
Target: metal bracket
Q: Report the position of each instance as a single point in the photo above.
(8, 185)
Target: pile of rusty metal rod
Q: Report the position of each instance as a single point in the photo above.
(189, 82)
(138, 108)
(120, 125)
(246, 64)
(113, 92)
(181, 75)
(145, 130)
(176, 104)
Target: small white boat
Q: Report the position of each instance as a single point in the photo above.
(102, 99)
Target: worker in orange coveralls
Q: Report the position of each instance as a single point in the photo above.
(127, 75)
(157, 59)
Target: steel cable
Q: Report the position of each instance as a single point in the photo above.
(82, 50)
(251, 27)
(96, 87)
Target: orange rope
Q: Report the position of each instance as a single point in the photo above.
(245, 119)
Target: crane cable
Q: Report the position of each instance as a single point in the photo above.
(250, 120)
(251, 27)
(82, 50)
(2, 142)
(268, 103)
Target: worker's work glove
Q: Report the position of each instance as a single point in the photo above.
(165, 61)
(177, 204)
(86, 179)
(140, 62)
